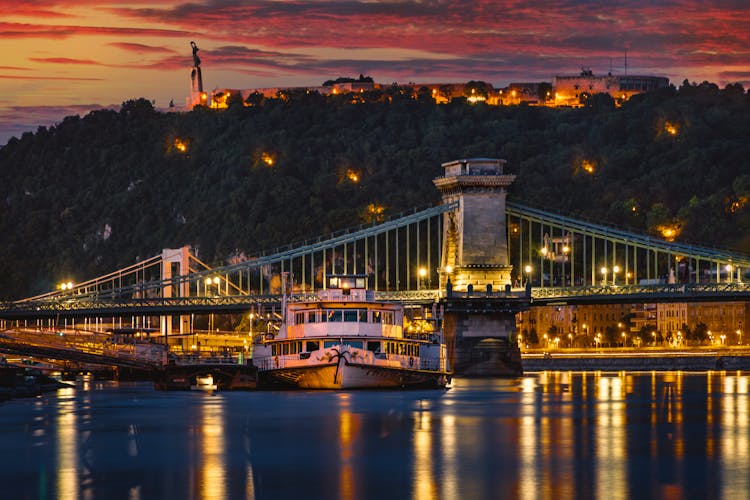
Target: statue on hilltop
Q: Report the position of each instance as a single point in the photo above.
(196, 59)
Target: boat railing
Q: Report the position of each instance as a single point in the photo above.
(264, 363)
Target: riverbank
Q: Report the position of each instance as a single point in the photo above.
(19, 382)
(636, 360)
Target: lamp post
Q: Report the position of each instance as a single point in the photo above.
(604, 275)
(528, 270)
(615, 270)
(422, 273)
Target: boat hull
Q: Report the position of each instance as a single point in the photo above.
(346, 375)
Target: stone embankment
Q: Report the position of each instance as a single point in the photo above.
(620, 360)
(25, 382)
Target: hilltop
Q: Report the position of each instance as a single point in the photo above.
(98, 192)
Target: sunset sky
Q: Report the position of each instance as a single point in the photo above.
(68, 57)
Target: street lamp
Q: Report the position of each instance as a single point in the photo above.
(215, 281)
(422, 273)
(565, 251)
(528, 270)
(624, 340)
(604, 275)
(615, 270)
(729, 268)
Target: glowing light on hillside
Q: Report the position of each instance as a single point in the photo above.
(669, 233)
(267, 158)
(180, 145)
(736, 205)
(588, 166)
(352, 175)
(671, 128)
(374, 213)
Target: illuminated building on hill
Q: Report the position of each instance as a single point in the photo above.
(574, 90)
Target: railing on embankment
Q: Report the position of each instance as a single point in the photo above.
(82, 347)
(620, 360)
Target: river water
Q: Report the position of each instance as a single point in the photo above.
(545, 435)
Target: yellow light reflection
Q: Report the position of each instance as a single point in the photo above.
(67, 445)
(213, 477)
(449, 475)
(735, 440)
(424, 486)
(529, 479)
(348, 428)
(611, 439)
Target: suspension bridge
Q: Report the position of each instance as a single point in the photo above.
(475, 245)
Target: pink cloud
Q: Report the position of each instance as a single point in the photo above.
(25, 30)
(139, 48)
(64, 60)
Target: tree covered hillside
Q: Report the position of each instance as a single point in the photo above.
(96, 193)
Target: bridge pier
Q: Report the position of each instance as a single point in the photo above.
(480, 311)
(481, 334)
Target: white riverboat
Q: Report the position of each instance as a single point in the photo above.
(344, 339)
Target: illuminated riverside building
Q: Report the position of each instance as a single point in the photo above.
(579, 326)
(572, 326)
(721, 318)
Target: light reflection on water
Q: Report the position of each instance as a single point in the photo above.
(545, 435)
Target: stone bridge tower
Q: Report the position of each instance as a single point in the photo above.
(475, 246)
(480, 308)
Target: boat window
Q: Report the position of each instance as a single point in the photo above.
(284, 348)
(377, 317)
(299, 318)
(354, 343)
(362, 315)
(311, 345)
(373, 346)
(312, 316)
(350, 315)
(388, 318)
(299, 346)
(330, 343)
(402, 349)
(334, 315)
(273, 350)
